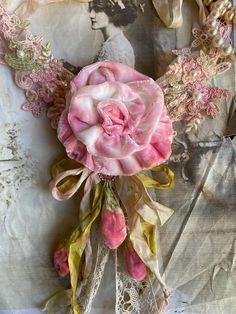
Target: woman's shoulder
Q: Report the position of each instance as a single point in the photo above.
(117, 48)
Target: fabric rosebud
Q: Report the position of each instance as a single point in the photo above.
(113, 227)
(134, 265)
(61, 261)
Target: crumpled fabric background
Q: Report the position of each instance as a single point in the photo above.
(198, 243)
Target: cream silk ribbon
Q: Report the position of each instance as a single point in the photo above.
(170, 15)
(169, 11)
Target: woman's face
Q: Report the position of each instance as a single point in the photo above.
(98, 19)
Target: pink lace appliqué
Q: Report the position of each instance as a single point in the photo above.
(188, 92)
(42, 77)
(201, 37)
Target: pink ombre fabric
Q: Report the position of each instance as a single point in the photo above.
(61, 262)
(115, 122)
(113, 227)
(134, 265)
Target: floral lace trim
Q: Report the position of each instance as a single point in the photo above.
(201, 37)
(42, 77)
(188, 92)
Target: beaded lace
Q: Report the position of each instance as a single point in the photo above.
(42, 77)
(188, 91)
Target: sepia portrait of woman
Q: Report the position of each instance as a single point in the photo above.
(109, 17)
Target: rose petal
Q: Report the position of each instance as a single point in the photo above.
(82, 106)
(94, 75)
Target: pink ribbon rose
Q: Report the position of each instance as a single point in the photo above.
(115, 121)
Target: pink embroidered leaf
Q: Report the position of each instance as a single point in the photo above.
(222, 67)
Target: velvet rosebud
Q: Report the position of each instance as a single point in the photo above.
(115, 121)
(61, 261)
(134, 265)
(113, 227)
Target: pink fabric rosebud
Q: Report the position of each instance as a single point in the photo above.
(113, 227)
(134, 265)
(61, 262)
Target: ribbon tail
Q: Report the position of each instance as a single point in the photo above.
(58, 301)
(149, 258)
(142, 249)
(202, 12)
(144, 215)
(171, 17)
(84, 205)
(77, 248)
(88, 259)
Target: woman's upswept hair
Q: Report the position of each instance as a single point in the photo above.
(120, 12)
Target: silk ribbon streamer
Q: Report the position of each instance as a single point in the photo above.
(144, 215)
(57, 302)
(77, 244)
(170, 15)
(92, 180)
(170, 12)
(63, 186)
(68, 188)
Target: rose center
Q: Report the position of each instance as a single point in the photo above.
(114, 117)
